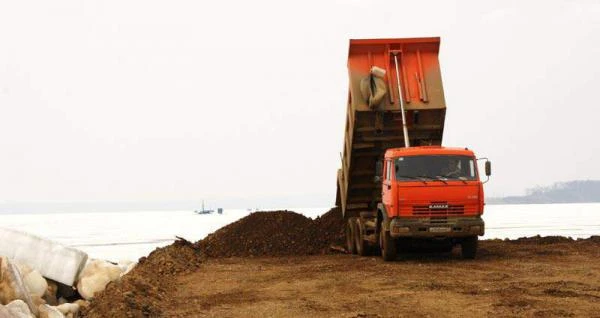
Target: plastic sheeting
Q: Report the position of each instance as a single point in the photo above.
(51, 259)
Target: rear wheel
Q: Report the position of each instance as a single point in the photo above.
(469, 247)
(387, 245)
(350, 240)
(361, 244)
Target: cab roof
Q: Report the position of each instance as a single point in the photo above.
(427, 150)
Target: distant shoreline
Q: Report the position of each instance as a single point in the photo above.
(498, 201)
(578, 191)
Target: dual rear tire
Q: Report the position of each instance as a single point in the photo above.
(362, 248)
(350, 235)
(355, 237)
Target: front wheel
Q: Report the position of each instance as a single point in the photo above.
(469, 247)
(387, 245)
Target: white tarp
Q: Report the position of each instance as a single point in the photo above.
(51, 259)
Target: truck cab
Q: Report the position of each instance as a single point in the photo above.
(432, 192)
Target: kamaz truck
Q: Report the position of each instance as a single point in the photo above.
(398, 188)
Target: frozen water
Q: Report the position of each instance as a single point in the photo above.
(130, 235)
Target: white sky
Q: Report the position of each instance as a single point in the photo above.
(179, 100)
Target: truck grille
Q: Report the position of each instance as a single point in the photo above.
(438, 209)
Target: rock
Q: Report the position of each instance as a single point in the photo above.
(129, 268)
(50, 294)
(124, 264)
(4, 313)
(95, 276)
(52, 259)
(23, 268)
(89, 286)
(68, 308)
(37, 301)
(12, 286)
(47, 311)
(82, 303)
(36, 284)
(19, 309)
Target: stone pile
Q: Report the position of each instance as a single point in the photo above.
(25, 293)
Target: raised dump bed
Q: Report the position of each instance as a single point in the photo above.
(374, 116)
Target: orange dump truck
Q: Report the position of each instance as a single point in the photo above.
(398, 187)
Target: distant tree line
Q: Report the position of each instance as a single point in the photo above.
(577, 191)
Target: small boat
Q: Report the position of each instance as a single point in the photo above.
(203, 211)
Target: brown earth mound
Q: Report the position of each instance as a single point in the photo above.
(143, 291)
(331, 227)
(277, 233)
(543, 239)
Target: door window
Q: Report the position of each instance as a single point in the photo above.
(388, 170)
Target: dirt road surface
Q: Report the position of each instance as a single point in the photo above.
(529, 279)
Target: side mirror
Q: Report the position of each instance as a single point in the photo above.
(488, 168)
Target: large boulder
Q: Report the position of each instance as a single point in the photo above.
(19, 309)
(12, 286)
(95, 276)
(4, 313)
(36, 284)
(52, 259)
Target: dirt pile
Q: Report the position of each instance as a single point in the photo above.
(143, 291)
(147, 289)
(543, 240)
(331, 226)
(276, 233)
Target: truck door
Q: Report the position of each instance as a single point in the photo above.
(386, 188)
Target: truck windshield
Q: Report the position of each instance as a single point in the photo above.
(435, 167)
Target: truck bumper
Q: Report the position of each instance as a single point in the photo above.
(450, 227)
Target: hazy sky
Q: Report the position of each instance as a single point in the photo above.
(184, 100)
